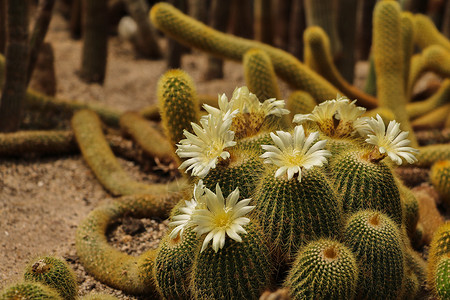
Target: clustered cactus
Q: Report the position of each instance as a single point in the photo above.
(304, 198)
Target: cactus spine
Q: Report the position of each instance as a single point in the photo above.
(430, 154)
(300, 102)
(237, 271)
(29, 291)
(323, 269)
(427, 34)
(439, 249)
(178, 104)
(188, 31)
(373, 232)
(54, 273)
(259, 75)
(440, 178)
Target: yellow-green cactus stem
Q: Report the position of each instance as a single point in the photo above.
(55, 273)
(37, 142)
(430, 154)
(240, 270)
(433, 119)
(100, 158)
(415, 263)
(293, 213)
(410, 207)
(323, 269)
(370, 86)
(300, 102)
(439, 249)
(29, 291)
(130, 274)
(366, 184)
(318, 43)
(178, 104)
(407, 31)
(375, 241)
(385, 113)
(419, 108)
(426, 33)
(152, 142)
(412, 285)
(252, 145)
(388, 58)
(434, 58)
(195, 34)
(441, 283)
(37, 101)
(173, 264)
(259, 75)
(440, 178)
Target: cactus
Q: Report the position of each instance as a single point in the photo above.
(237, 271)
(293, 213)
(153, 143)
(101, 159)
(388, 59)
(440, 178)
(259, 75)
(173, 263)
(430, 154)
(364, 184)
(193, 33)
(108, 265)
(426, 33)
(418, 108)
(300, 102)
(438, 262)
(29, 291)
(373, 232)
(407, 31)
(323, 269)
(434, 119)
(55, 273)
(37, 142)
(318, 46)
(178, 104)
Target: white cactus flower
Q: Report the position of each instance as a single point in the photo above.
(347, 111)
(183, 220)
(322, 113)
(221, 217)
(291, 153)
(391, 141)
(207, 145)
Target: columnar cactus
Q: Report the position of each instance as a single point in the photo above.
(438, 262)
(440, 178)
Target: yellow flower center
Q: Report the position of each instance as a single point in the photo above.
(214, 150)
(222, 220)
(293, 158)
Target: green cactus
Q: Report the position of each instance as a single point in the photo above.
(318, 43)
(259, 75)
(370, 86)
(366, 184)
(178, 104)
(108, 265)
(55, 273)
(293, 213)
(173, 263)
(440, 178)
(388, 58)
(439, 247)
(430, 154)
(29, 291)
(412, 285)
(38, 142)
(193, 33)
(410, 207)
(323, 269)
(243, 171)
(376, 243)
(441, 280)
(152, 142)
(433, 119)
(240, 270)
(426, 33)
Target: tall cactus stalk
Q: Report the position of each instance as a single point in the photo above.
(95, 36)
(13, 93)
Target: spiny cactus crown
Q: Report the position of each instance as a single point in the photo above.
(209, 213)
